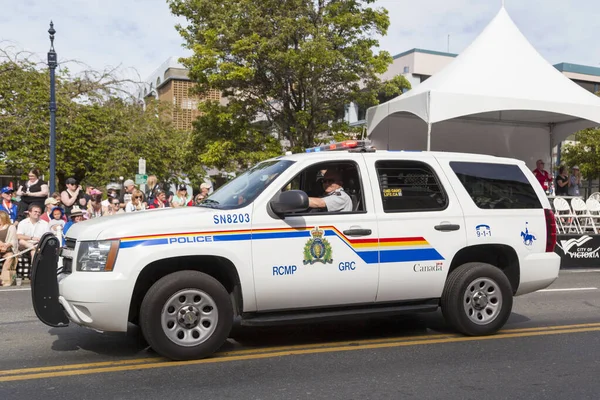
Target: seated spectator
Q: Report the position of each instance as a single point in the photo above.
(197, 200)
(181, 198)
(57, 219)
(31, 229)
(50, 204)
(76, 216)
(95, 208)
(8, 247)
(114, 207)
(110, 194)
(562, 182)
(8, 205)
(160, 201)
(136, 203)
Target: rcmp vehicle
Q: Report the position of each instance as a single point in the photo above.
(462, 232)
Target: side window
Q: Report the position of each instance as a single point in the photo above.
(310, 180)
(409, 186)
(496, 186)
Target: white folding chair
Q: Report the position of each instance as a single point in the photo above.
(593, 207)
(585, 219)
(566, 220)
(595, 196)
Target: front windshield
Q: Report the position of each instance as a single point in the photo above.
(242, 190)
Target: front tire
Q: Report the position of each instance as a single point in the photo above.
(186, 315)
(477, 299)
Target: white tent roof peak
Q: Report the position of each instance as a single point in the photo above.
(501, 62)
(499, 96)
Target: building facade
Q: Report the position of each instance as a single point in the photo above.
(170, 83)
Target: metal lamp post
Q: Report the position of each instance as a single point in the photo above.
(52, 62)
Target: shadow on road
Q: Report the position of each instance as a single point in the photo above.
(372, 328)
(75, 338)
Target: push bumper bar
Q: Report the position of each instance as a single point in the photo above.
(44, 283)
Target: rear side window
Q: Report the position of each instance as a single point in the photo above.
(409, 186)
(496, 186)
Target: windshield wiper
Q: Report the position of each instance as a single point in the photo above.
(209, 203)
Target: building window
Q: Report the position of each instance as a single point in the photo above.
(157, 81)
(406, 69)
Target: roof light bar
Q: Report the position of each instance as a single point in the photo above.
(345, 145)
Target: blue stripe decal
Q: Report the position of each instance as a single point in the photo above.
(370, 257)
(147, 242)
(280, 235)
(389, 256)
(229, 238)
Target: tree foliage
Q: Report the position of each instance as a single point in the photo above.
(292, 64)
(585, 153)
(100, 134)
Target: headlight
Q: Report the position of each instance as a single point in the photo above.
(97, 256)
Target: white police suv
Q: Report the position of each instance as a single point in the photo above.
(425, 230)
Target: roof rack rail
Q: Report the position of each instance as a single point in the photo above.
(358, 146)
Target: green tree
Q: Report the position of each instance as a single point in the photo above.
(100, 133)
(585, 153)
(293, 63)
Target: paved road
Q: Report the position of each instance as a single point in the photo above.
(548, 350)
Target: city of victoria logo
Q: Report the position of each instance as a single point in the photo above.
(317, 248)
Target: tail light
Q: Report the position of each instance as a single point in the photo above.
(550, 230)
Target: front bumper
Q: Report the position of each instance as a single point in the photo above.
(96, 300)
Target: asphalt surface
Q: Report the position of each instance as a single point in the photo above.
(547, 350)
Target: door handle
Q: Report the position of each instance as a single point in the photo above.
(447, 227)
(357, 232)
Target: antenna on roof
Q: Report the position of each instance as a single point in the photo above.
(449, 41)
(502, 3)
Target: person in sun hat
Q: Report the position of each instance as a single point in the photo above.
(76, 216)
(574, 181)
(8, 205)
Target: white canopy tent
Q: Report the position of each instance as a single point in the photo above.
(498, 97)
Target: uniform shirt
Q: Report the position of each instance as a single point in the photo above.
(338, 201)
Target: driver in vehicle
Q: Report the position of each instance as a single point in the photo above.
(335, 198)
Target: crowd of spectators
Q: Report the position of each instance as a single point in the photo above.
(564, 184)
(30, 211)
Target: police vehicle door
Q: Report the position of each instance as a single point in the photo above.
(312, 259)
(421, 225)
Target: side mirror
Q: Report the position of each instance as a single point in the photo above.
(289, 201)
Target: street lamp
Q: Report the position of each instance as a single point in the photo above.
(52, 62)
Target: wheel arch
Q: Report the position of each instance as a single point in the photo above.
(499, 255)
(220, 268)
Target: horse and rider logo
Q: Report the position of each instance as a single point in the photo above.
(528, 237)
(317, 248)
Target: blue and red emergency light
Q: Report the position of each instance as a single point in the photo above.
(345, 145)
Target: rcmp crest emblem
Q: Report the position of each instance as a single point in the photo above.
(317, 248)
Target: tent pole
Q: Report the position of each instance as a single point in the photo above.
(552, 166)
(428, 137)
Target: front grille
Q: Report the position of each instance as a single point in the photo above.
(70, 243)
(67, 262)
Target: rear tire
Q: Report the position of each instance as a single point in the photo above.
(186, 315)
(477, 299)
